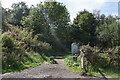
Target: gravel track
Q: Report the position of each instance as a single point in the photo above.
(45, 71)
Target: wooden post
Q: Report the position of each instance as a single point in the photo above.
(82, 61)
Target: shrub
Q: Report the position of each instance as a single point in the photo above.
(116, 56)
(16, 43)
(44, 47)
(7, 42)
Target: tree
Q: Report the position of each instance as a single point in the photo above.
(6, 12)
(110, 19)
(84, 28)
(107, 31)
(108, 35)
(51, 20)
(60, 19)
(18, 11)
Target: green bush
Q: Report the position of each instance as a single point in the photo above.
(16, 43)
(44, 47)
(116, 50)
(116, 56)
(70, 62)
(10, 62)
(106, 63)
(7, 42)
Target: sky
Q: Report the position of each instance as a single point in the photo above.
(106, 7)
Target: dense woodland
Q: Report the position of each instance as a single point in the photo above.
(46, 28)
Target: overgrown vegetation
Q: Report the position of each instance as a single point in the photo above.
(20, 47)
(46, 30)
(12, 64)
(107, 64)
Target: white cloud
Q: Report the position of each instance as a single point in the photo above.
(83, 0)
(8, 3)
(74, 6)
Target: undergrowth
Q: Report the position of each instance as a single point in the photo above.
(75, 66)
(30, 60)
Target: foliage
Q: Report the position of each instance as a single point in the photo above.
(51, 20)
(69, 61)
(93, 58)
(84, 27)
(95, 62)
(108, 35)
(30, 60)
(25, 40)
(18, 11)
(115, 57)
(47, 27)
(8, 42)
(16, 43)
(75, 67)
(5, 16)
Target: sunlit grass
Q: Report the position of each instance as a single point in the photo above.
(31, 60)
(111, 72)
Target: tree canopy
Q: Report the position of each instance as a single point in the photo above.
(84, 28)
(51, 20)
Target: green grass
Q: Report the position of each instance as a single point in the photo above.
(31, 60)
(58, 55)
(111, 72)
(75, 67)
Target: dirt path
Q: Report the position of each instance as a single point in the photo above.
(45, 71)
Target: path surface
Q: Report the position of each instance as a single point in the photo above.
(45, 71)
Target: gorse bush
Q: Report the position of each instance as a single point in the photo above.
(25, 39)
(16, 43)
(8, 42)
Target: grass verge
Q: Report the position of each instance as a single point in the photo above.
(30, 60)
(74, 66)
